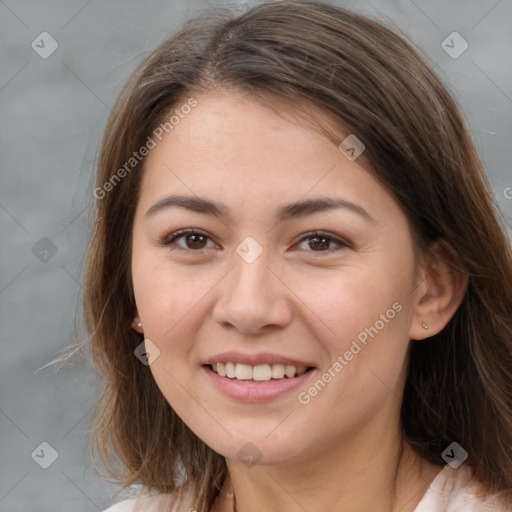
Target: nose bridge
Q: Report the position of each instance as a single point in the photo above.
(252, 296)
(250, 279)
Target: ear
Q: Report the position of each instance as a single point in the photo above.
(440, 293)
(136, 320)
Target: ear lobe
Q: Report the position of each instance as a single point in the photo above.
(440, 295)
(136, 323)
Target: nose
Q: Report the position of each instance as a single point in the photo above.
(253, 298)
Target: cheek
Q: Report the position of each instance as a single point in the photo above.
(365, 315)
(170, 301)
(173, 301)
(348, 300)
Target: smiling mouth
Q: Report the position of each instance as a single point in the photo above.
(258, 373)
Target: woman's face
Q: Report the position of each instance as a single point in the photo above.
(274, 278)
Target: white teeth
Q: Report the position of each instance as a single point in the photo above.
(290, 371)
(230, 370)
(277, 371)
(221, 370)
(260, 372)
(243, 371)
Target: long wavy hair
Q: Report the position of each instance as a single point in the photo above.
(366, 79)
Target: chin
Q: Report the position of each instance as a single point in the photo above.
(258, 450)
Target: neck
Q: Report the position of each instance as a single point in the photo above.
(369, 475)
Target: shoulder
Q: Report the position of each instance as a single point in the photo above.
(457, 490)
(154, 503)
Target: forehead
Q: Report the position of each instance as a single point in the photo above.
(233, 124)
(233, 146)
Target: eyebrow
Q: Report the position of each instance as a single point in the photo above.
(285, 212)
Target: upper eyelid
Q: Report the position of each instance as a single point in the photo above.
(184, 232)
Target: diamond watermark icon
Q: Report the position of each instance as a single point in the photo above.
(454, 455)
(352, 147)
(45, 455)
(147, 352)
(44, 45)
(249, 454)
(249, 249)
(44, 250)
(454, 45)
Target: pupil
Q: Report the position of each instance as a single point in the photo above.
(196, 239)
(325, 242)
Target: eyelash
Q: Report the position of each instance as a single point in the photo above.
(171, 239)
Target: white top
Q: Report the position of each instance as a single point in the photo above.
(452, 490)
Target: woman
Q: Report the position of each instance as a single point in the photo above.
(298, 288)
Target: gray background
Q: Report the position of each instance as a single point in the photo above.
(52, 115)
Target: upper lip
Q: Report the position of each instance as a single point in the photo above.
(256, 359)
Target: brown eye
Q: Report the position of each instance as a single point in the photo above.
(319, 242)
(193, 240)
(322, 242)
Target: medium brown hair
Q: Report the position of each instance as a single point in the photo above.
(371, 82)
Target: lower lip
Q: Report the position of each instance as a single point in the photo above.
(250, 391)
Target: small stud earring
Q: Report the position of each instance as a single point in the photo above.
(424, 325)
(139, 324)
